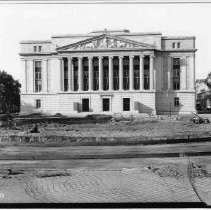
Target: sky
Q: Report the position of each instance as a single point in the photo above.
(41, 21)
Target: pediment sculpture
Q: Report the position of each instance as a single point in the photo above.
(105, 43)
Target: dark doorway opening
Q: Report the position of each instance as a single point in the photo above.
(85, 105)
(106, 104)
(126, 104)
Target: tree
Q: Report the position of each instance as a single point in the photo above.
(9, 93)
(208, 81)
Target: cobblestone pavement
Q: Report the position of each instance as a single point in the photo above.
(127, 185)
(134, 180)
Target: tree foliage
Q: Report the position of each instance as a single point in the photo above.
(9, 93)
(208, 81)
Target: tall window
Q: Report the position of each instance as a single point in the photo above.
(75, 67)
(65, 74)
(85, 74)
(176, 73)
(38, 103)
(146, 73)
(38, 75)
(126, 73)
(105, 74)
(178, 44)
(136, 73)
(176, 102)
(116, 73)
(173, 45)
(96, 74)
(35, 48)
(40, 48)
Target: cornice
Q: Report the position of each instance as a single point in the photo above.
(38, 54)
(35, 41)
(177, 37)
(179, 50)
(107, 50)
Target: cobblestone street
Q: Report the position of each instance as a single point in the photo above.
(102, 186)
(132, 185)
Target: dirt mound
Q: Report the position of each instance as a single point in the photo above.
(50, 173)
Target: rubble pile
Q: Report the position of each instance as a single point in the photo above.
(169, 171)
(198, 172)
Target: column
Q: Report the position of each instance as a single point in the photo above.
(120, 72)
(161, 74)
(61, 74)
(169, 73)
(47, 75)
(110, 72)
(151, 72)
(155, 79)
(192, 71)
(100, 59)
(44, 76)
(24, 70)
(183, 78)
(70, 74)
(31, 76)
(141, 71)
(80, 74)
(90, 74)
(131, 73)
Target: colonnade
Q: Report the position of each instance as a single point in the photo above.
(70, 68)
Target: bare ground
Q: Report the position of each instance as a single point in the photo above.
(167, 128)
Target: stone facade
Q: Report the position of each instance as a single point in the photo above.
(109, 72)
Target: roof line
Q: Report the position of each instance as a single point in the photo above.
(107, 35)
(91, 34)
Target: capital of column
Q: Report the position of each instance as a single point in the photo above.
(152, 56)
(121, 56)
(131, 56)
(141, 56)
(100, 57)
(80, 58)
(90, 57)
(111, 57)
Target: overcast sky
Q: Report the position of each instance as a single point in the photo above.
(29, 22)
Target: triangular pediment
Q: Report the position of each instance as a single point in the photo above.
(105, 41)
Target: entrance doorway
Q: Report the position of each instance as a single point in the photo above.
(106, 104)
(126, 104)
(85, 105)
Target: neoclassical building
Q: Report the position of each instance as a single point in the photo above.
(109, 72)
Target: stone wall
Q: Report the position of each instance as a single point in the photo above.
(70, 103)
(165, 102)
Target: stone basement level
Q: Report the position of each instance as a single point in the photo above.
(109, 72)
